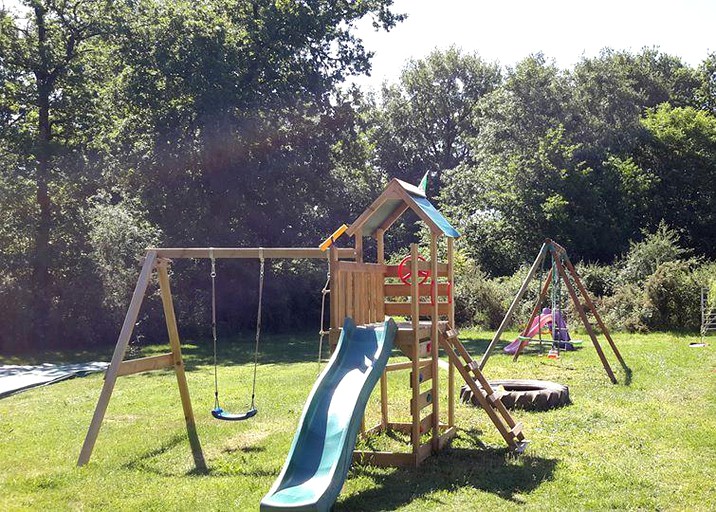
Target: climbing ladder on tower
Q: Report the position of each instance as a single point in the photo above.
(489, 399)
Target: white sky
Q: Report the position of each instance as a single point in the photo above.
(509, 30)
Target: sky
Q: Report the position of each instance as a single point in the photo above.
(506, 31)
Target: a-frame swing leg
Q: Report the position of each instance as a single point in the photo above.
(583, 316)
(594, 311)
(111, 376)
(508, 316)
(174, 360)
(173, 332)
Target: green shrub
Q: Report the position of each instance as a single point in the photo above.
(479, 300)
(673, 296)
(600, 280)
(644, 257)
(626, 309)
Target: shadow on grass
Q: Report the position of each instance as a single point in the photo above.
(490, 470)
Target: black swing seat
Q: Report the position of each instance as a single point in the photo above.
(221, 414)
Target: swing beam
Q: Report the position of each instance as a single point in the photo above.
(157, 260)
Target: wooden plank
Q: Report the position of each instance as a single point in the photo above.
(173, 331)
(384, 399)
(585, 321)
(336, 314)
(424, 399)
(452, 333)
(350, 309)
(515, 302)
(130, 319)
(358, 239)
(406, 308)
(383, 459)
(434, 338)
(390, 220)
(426, 424)
(402, 427)
(415, 320)
(368, 212)
(380, 242)
(404, 365)
(403, 290)
(340, 298)
(145, 364)
(358, 297)
(446, 437)
(297, 253)
(517, 429)
(424, 451)
(451, 321)
(425, 373)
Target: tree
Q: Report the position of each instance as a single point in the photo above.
(43, 50)
(423, 121)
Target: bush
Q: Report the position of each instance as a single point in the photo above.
(644, 257)
(626, 309)
(600, 280)
(673, 297)
(479, 300)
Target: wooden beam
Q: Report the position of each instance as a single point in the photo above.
(250, 252)
(146, 364)
(594, 311)
(380, 242)
(119, 350)
(585, 320)
(392, 270)
(353, 266)
(515, 302)
(414, 384)
(387, 223)
(435, 315)
(406, 308)
(451, 320)
(173, 331)
(403, 290)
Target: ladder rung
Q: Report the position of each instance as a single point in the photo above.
(452, 333)
(471, 366)
(517, 429)
(495, 396)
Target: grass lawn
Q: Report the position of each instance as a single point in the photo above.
(649, 444)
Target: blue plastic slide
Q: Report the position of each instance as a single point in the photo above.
(322, 448)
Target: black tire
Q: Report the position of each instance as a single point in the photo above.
(530, 395)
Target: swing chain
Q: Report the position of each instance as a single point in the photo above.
(258, 324)
(213, 325)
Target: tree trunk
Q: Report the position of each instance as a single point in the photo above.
(41, 259)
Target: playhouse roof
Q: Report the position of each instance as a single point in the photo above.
(397, 197)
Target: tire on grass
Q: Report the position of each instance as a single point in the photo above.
(530, 395)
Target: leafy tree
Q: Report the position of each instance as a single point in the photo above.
(425, 119)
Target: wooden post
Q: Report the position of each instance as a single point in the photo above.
(594, 311)
(173, 331)
(533, 315)
(585, 320)
(451, 320)
(414, 374)
(513, 306)
(335, 288)
(359, 246)
(434, 341)
(380, 236)
(110, 377)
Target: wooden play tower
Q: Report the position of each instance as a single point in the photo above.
(420, 288)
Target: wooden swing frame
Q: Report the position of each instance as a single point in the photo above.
(565, 270)
(158, 260)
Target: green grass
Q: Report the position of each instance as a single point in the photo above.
(648, 445)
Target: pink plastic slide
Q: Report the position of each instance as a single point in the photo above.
(537, 324)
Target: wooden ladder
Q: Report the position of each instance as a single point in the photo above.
(489, 399)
